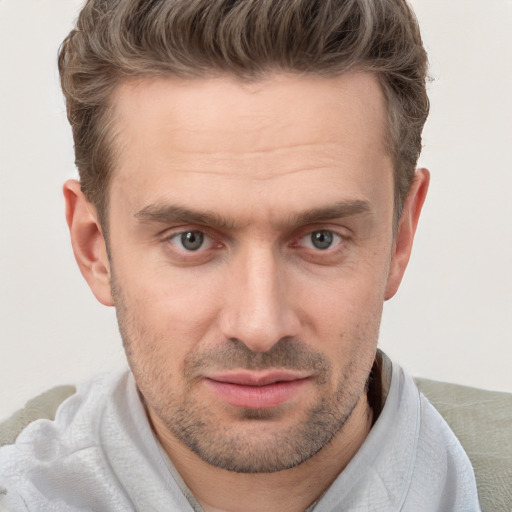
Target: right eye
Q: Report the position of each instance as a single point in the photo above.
(191, 241)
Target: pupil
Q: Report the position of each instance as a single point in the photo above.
(192, 240)
(321, 239)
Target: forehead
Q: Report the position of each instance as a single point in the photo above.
(284, 132)
(308, 107)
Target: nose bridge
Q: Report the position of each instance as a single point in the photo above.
(258, 308)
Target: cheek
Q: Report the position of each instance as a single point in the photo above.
(343, 321)
(176, 295)
(342, 301)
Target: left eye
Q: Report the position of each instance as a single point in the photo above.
(321, 240)
(191, 240)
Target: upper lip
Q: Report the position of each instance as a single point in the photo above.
(257, 378)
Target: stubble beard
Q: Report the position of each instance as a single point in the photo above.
(260, 446)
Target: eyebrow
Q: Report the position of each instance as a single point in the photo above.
(339, 210)
(171, 214)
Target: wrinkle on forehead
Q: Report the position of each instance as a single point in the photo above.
(258, 169)
(199, 115)
(262, 176)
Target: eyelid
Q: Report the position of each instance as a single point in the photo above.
(344, 232)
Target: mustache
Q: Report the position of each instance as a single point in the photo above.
(288, 353)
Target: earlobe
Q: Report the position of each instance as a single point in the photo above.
(405, 232)
(88, 242)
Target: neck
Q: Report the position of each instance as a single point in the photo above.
(219, 490)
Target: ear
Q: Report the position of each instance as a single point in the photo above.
(88, 242)
(404, 237)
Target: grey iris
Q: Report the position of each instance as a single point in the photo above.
(321, 239)
(192, 240)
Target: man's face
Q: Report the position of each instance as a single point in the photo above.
(250, 231)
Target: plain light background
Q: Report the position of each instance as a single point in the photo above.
(452, 318)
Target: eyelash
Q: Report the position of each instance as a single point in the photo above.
(215, 244)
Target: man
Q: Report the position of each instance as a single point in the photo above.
(247, 201)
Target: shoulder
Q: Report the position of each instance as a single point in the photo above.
(62, 404)
(439, 472)
(43, 406)
(55, 427)
(443, 474)
(480, 419)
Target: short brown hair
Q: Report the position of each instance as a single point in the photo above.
(115, 40)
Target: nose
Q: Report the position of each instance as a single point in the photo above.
(258, 302)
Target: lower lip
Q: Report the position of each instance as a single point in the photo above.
(257, 397)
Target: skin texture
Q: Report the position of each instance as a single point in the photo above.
(285, 189)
